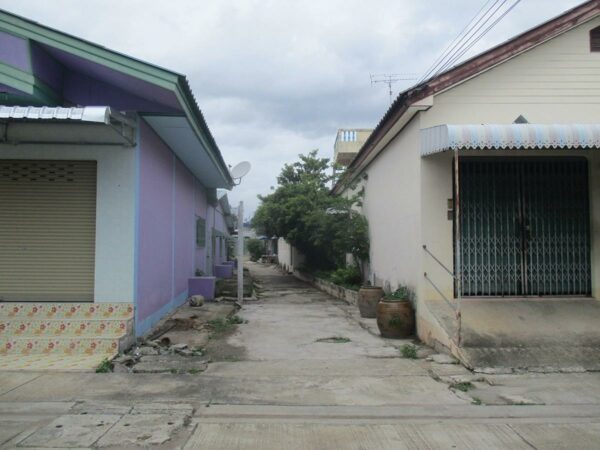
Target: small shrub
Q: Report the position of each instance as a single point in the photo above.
(256, 248)
(105, 366)
(199, 273)
(348, 277)
(409, 351)
(235, 320)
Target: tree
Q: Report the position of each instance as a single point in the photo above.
(323, 227)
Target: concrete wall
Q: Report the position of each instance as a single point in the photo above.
(169, 201)
(115, 211)
(289, 257)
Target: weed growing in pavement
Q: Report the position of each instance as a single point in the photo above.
(409, 351)
(334, 340)
(476, 401)
(105, 366)
(463, 386)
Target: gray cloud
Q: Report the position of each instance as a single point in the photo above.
(277, 78)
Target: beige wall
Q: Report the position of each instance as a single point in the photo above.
(289, 258)
(392, 206)
(556, 82)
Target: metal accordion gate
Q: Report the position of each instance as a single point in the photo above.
(524, 226)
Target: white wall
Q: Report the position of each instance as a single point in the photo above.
(115, 211)
(289, 258)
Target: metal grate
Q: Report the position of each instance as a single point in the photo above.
(524, 227)
(28, 171)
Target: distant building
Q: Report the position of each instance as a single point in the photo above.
(347, 144)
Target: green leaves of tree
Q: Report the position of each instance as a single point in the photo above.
(301, 209)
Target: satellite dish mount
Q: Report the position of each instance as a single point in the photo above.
(239, 171)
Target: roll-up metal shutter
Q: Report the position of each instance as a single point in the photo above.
(47, 230)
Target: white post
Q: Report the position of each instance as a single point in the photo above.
(240, 253)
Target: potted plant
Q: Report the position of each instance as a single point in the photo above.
(395, 314)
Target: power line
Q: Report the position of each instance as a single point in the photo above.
(487, 30)
(454, 42)
(493, 10)
(469, 36)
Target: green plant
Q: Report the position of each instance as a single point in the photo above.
(409, 351)
(235, 320)
(403, 292)
(105, 366)
(199, 273)
(463, 386)
(348, 277)
(395, 321)
(476, 401)
(256, 248)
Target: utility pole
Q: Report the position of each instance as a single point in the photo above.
(240, 254)
(389, 79)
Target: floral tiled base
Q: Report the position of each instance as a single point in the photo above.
(41, 311)
(18, 327)
(51, 362)
(60, 346)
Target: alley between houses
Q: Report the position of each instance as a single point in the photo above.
(303, 371)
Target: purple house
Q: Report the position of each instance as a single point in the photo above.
(108, 193)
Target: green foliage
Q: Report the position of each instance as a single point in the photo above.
(402, 293)
(321, 226)
(348, 277)
(256, 248)
(199, 273)
(105, 366)
(409, 351)
(463, 386)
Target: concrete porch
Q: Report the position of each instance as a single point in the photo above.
(523, 333)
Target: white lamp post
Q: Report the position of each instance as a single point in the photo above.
(239, 171)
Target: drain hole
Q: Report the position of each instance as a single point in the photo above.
(169, 423)
(125, 424)
(58, 426)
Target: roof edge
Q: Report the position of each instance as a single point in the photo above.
(479, 63)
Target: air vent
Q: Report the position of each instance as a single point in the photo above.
(595, 40)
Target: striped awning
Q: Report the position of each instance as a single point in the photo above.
(513, 136)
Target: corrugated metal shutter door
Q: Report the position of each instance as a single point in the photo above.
(47, 230)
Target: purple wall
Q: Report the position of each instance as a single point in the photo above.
(169, 199)
(14, 51)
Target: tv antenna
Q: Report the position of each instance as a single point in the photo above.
(389, 79)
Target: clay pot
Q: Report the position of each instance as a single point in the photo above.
(368, 296)
(395, 318)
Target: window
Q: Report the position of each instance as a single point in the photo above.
(595, 40)
(200, 232)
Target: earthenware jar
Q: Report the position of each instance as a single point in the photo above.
(395, 318)
(368, 296)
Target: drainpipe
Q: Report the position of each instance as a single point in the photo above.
(458, 262)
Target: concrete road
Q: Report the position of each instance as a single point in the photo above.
(309, 374)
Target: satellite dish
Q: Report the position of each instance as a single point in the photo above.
(240, 170)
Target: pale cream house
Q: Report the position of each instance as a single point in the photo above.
(482, 191)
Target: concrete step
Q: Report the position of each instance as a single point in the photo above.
(59, 346)
(76, 328)
(548, 358)
(42, 311)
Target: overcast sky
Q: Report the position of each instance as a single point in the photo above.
(276, 78)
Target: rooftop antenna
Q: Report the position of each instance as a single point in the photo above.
(389, 79)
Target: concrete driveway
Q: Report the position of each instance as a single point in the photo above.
(309, 373)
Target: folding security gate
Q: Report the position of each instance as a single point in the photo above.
(524, 226)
